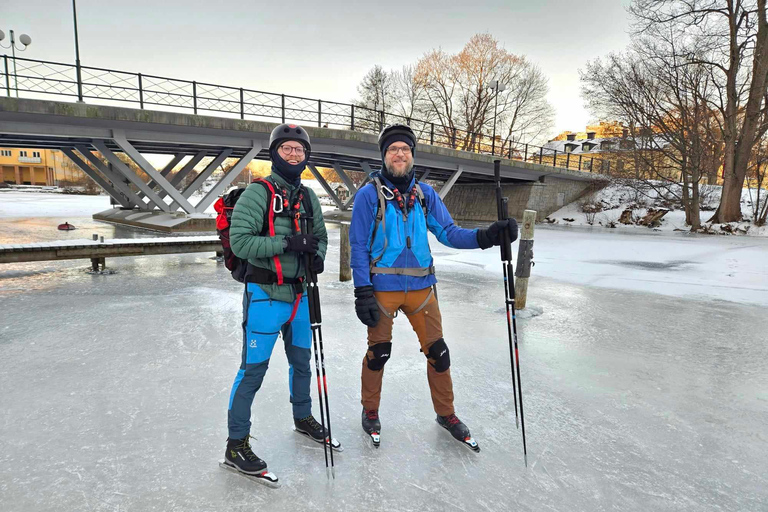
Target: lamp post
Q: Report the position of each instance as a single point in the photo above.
(25, 40)
(497, 87)
(77, 56)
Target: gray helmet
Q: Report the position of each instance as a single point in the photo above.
(289, 132)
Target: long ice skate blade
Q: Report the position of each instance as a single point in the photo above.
(335, 444)
(265, 477)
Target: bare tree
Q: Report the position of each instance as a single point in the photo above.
(408, 94)
(654, 90)
(437, 73)
(375, 89)
(458, 94)
(375, 97)
(731, 41)
(525, 114)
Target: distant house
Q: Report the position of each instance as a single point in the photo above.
(610, 154)
(341, 191)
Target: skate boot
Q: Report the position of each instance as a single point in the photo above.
(310, 428)
(458, 430)
(240, 456)
(372, 425)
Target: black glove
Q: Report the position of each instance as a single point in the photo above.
(317, 264)
(302, 243)
(492, 236)
(365, 306)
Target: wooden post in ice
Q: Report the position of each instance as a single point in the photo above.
(524, 259)
(345, 270)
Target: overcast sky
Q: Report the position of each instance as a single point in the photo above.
(318, 49)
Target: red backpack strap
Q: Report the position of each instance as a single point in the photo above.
(221, 218)
(271, 224)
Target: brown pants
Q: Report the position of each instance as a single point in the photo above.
(424, 316)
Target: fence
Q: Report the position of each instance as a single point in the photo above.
(40, 79)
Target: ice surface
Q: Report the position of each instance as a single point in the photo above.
(115, 387)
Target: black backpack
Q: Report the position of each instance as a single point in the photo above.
(225, 205)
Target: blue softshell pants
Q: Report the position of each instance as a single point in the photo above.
(263, 320)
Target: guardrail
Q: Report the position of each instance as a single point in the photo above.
(38, 78)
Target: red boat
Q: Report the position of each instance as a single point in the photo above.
(66, 227)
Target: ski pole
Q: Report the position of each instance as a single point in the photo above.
(315, 320)
(502, 206)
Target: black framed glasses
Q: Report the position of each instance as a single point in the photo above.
(299, 151)
(393, 151)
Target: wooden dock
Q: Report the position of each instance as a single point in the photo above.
(97, 251)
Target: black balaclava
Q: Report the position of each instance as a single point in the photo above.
(290, 173)
(402, 183)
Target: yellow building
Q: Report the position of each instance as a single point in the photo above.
(27, 166)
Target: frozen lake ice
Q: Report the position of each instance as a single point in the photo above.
(645, 380)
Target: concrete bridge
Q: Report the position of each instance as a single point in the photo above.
(80, 129)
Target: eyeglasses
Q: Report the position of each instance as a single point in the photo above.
(406, 150)
(292, 149)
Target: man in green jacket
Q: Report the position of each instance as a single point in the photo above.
(265, 230)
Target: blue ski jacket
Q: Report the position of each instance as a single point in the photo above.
(407, 244)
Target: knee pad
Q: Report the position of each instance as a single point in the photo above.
(381, 352)
(441, 355)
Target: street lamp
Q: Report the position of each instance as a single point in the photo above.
(25, 40)
(379, 106)
(77, 56)
(497, 87)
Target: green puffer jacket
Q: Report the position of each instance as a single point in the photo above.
(245, 229)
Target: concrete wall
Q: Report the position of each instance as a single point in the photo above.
(478, 202)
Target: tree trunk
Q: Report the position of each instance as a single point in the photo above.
(739, 144)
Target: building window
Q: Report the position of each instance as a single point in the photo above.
(22, 153)
(35, 154)
(5, 152)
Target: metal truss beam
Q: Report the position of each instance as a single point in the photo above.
(119, 181)
(204, 175)
(352, 196)
(167, 169)
(346, 179)
(219, 188)
(325, 186)
(367, 169)
(128, 149)
(184, 171)
(132, 176)
(112, 191)
(451, 182)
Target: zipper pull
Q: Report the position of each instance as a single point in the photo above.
(408, 242)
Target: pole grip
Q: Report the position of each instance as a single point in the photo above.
(313, 292)
(502, 213)
(506, 243)
(497, 178)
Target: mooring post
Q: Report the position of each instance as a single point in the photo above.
(524, 259)
(345, 270)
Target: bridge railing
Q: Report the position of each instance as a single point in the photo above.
(41, 79)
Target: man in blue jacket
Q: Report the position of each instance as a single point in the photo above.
(392, 270)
